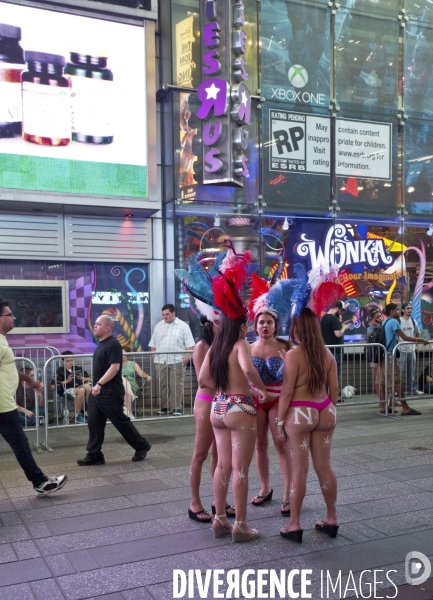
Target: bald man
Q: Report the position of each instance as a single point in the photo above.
(106, 399)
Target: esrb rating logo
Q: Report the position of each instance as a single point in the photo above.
(298, 76)
(300, 143)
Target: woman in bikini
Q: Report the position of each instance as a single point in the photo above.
(204, 437)
(268, 354)
(307, 417)
(228, 369)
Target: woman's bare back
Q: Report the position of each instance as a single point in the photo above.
(301, 389)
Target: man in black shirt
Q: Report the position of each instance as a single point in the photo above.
(106, 399)
(333, 331)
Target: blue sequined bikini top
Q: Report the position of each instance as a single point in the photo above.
(270, 370)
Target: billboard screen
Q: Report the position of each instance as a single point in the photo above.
(72, 104)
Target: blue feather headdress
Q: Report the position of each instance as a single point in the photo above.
(286, 298)
(197, 280)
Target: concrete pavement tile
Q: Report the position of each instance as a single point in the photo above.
(14, 533)
(164, 545)
(373, 492)
(140, 593)
(408, 473)
(11, 518)
(7, 553)
(46, 589)
(38, 530)
(125, 577)
(22, 591)
(82, 560)
(26, 549)
(75, 508)
(106, 519)
(374, 554)
(5, 507)
(59, 564)
(115, 596)
(94, 538)
(406, 522)
(23, 571)
(395, 505)
(113, 491)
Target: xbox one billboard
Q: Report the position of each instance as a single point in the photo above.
(295, 46)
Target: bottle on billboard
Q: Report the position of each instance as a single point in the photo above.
(11, 65)
(92, 97)
(46, 100)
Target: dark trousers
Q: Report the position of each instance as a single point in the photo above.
(101, 408)
(12, 431)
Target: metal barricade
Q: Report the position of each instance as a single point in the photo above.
(34, 419)
(152, 382)
(361, 381)
(37, 354)
(411, 369)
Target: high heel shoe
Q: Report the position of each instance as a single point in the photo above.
(229, 515)
(293, 536)
(220, 529)
(330, 530)
(267, 498)
(243, 536)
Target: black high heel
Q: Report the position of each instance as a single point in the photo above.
(267, 498)
(330, 530)
(293, 536)
(229, 515)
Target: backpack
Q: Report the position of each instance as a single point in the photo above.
(375, 354)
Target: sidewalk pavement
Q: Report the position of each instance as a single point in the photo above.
(117, 531)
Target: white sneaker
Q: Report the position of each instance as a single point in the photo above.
(53, 484)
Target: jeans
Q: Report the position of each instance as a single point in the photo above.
(31, 421)
(12, 431)
(407, 362)
(109, 406)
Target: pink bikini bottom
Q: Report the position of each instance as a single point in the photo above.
(204, 397)
(317, 405)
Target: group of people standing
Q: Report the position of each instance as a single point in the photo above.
(244, 390)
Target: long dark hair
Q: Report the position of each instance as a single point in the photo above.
(206, 331)
(305, 332)
(226, 337)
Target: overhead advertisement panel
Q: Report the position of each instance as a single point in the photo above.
(72, 104)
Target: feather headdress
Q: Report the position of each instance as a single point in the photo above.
(325, 290)
(285, 299)
(227, 283)
(198, 282)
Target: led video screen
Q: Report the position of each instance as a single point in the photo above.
(72, 104)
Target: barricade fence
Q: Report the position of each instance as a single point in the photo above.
(30, 403)
(411, 371)
(363, 378)
(160, 385)
(155, 384)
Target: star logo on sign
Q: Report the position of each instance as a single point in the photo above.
(212, 92)
(244, 100)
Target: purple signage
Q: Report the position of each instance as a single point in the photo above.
(225, 102)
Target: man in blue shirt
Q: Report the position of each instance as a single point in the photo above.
(393, 335)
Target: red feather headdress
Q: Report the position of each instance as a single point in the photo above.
(227, 285)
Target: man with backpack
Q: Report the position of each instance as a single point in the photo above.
(393, 334)
(407, 360)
